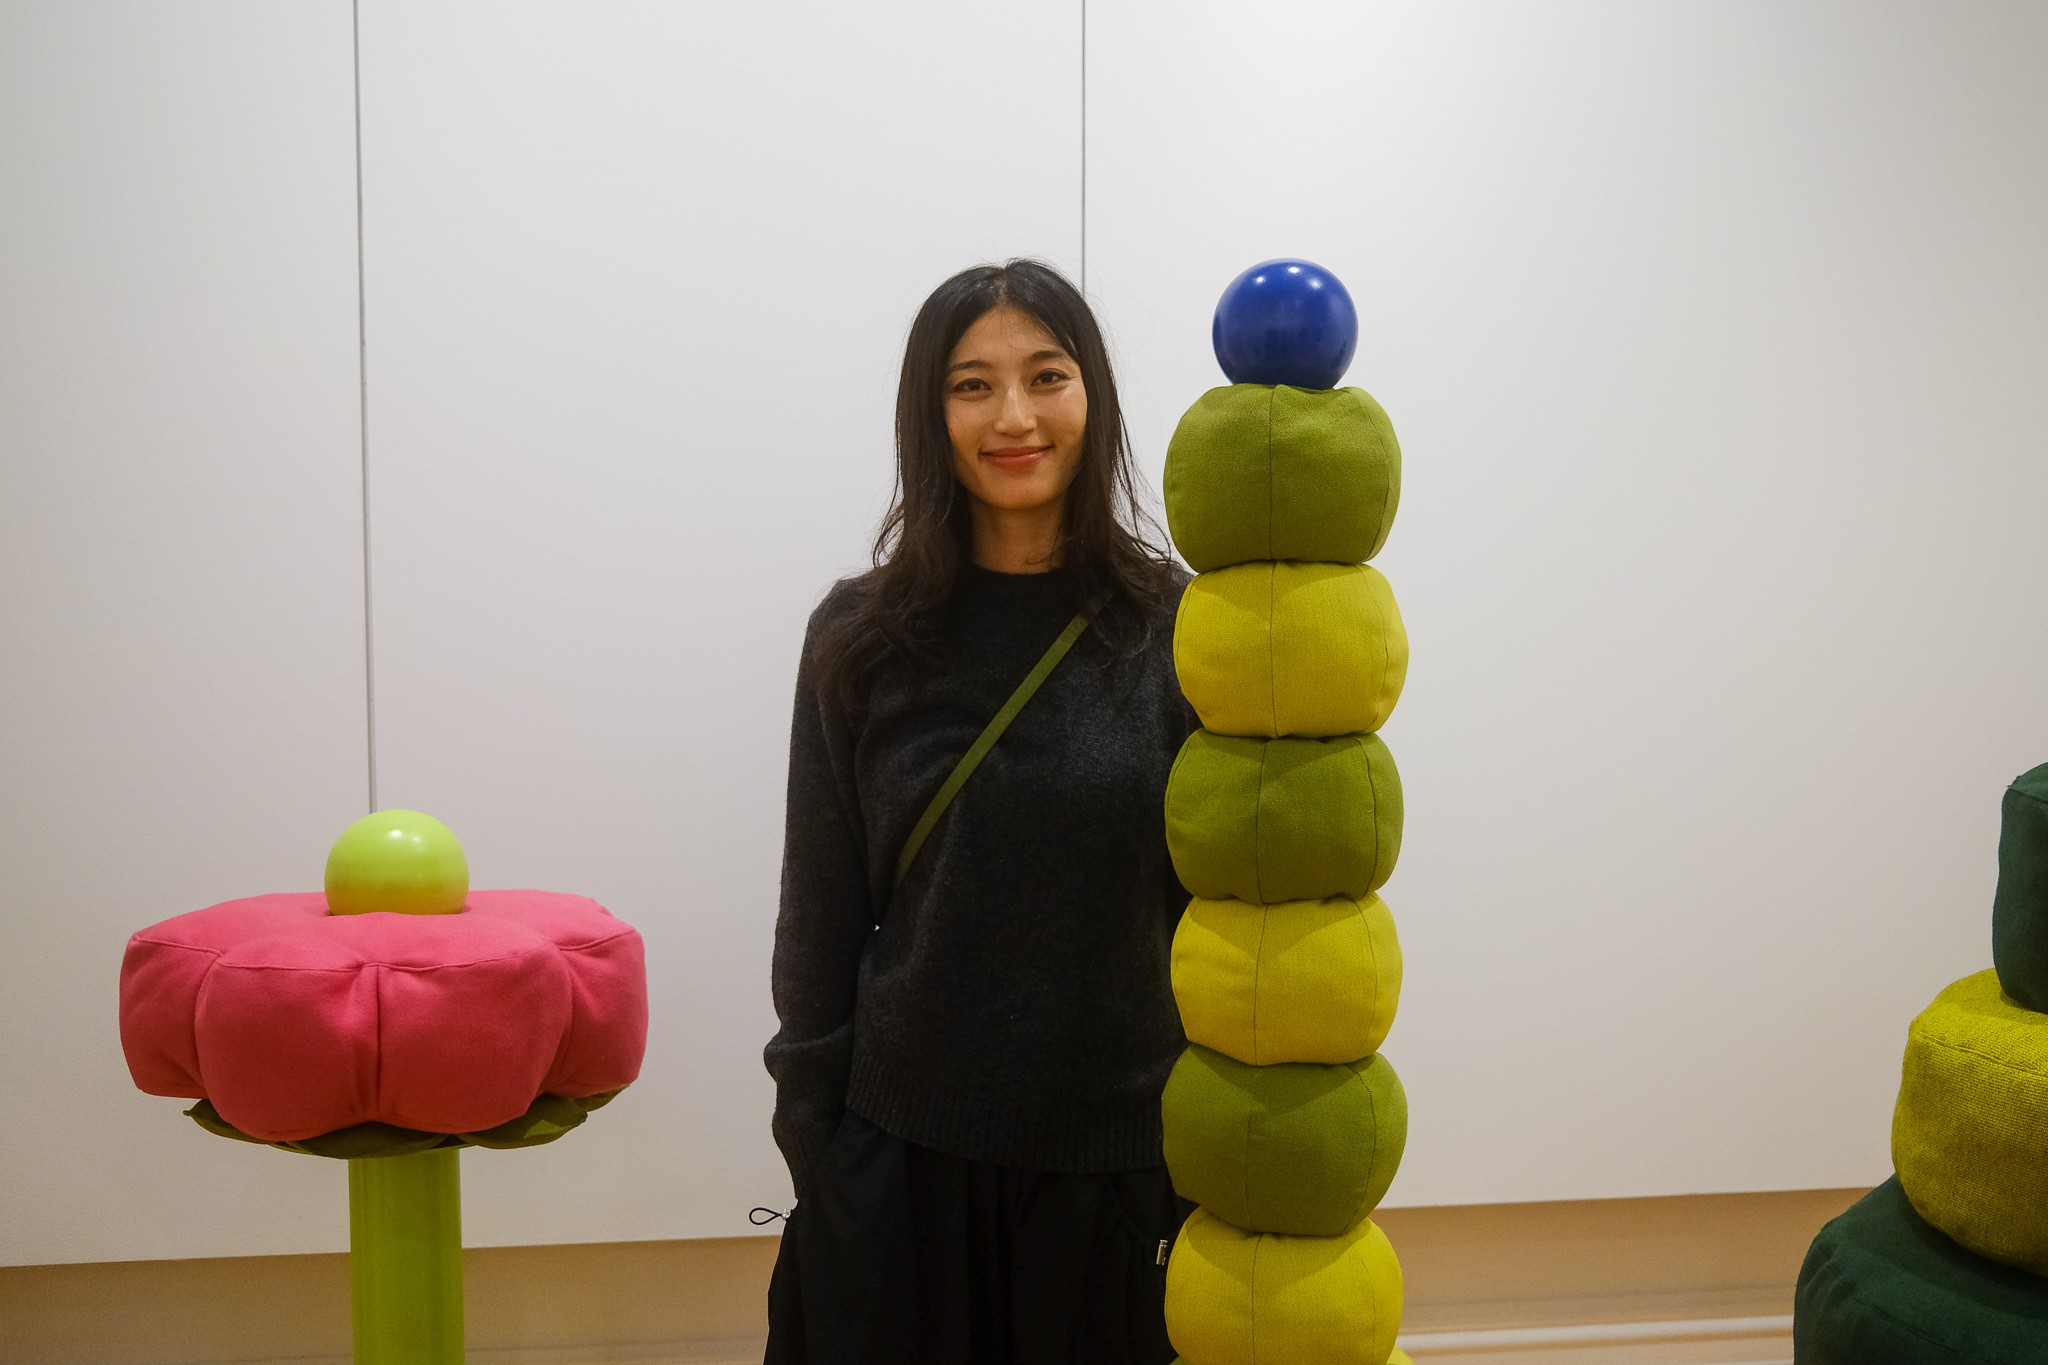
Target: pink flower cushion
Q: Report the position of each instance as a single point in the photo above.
(295, 1022)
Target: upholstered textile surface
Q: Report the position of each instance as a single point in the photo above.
(2019, 912)
(1970, 1134)
(295, 1022)
(1882, 1287)
(1283, 819)
(1297, 981)
(1248, 1298)
(1305, 1149)
(1258, 471)
(1272, 649)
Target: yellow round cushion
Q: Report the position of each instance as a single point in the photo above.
(1970, 1134)
(1277, 648)
(1240, 1298)
(1300, 981)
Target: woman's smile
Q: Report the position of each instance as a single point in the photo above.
(1015, 458)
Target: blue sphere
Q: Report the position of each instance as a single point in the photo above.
(1285, 322)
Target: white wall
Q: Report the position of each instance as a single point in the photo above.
(181, 620)
(1706, 327)
(1712, 333)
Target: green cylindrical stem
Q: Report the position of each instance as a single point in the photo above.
(405, 1258)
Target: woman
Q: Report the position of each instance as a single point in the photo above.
(969, 1064)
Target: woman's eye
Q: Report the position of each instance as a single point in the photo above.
(970, 386)
(1050, 377)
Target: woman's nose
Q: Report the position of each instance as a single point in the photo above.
(1015, 413)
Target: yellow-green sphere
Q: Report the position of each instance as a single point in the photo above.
(400, 861)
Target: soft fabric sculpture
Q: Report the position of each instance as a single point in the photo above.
(1267, 472)
(1299, 981)
(1274, 649)
(1970, 1134)
(390, 1021)
(1283, 819)
(1296, 1148)
(2019, 912)
(1947, 1263)
(1249, 1298)
(295, 1022)
(1283, 816)
(1880, 1286)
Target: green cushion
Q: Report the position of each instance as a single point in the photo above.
(1882, 1287)
(1298, 1148)
(1970, 1134)
(1283, 819)
(1300, 981)
(1273, 649)
(2019, 913)
(1256, 471)
(1247, 1298)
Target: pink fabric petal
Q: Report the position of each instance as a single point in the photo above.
(295, 1023)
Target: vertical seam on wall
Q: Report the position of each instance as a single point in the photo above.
(363, 419)
(1084, 146)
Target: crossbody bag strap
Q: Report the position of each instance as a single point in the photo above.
(992, 732)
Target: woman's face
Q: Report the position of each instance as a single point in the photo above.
(1015, 408)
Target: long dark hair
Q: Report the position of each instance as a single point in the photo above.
(1109, 543)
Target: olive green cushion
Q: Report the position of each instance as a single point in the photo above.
(1882, 1287)
(1970, 1133)
(1283, 819)
(2019, 913)
(1246, 1298)
(1272, 649)
(1301, 1148)
(1300, 981)
(1256, 471)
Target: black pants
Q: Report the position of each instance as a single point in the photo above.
(900, 1255)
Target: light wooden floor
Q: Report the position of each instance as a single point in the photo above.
(1693, 1280)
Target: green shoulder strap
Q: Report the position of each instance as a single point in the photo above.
(992, 732)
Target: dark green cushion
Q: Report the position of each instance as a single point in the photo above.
(1258, 471)
(1882, 1287)
(1304, 1148)
(2019, 913)
(1271, 820)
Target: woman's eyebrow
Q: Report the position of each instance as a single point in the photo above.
(1034, 358)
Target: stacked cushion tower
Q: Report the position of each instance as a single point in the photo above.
(1948, 1260)
(1283, 1122)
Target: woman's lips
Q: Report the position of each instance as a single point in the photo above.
(1015, 457)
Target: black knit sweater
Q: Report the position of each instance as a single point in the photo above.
(1014, 1004)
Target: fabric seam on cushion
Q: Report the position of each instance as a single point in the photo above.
(167, 943)
(1372, 788)
(1878, 1309)
(1984, 1057)
(1386, 648)
(1250, 1117)
(1372, 957)
(1258, 965)
(1258, 818)
(1379, 419)
(1272, 399)
(1251, 1298)
(1272, 629)
(377, 1059)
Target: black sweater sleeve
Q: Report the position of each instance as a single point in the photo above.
(821, 927)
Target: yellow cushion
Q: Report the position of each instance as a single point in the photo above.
(1248, 1298)
(1277, 648)
(1970, 1134)
(1301, 981)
